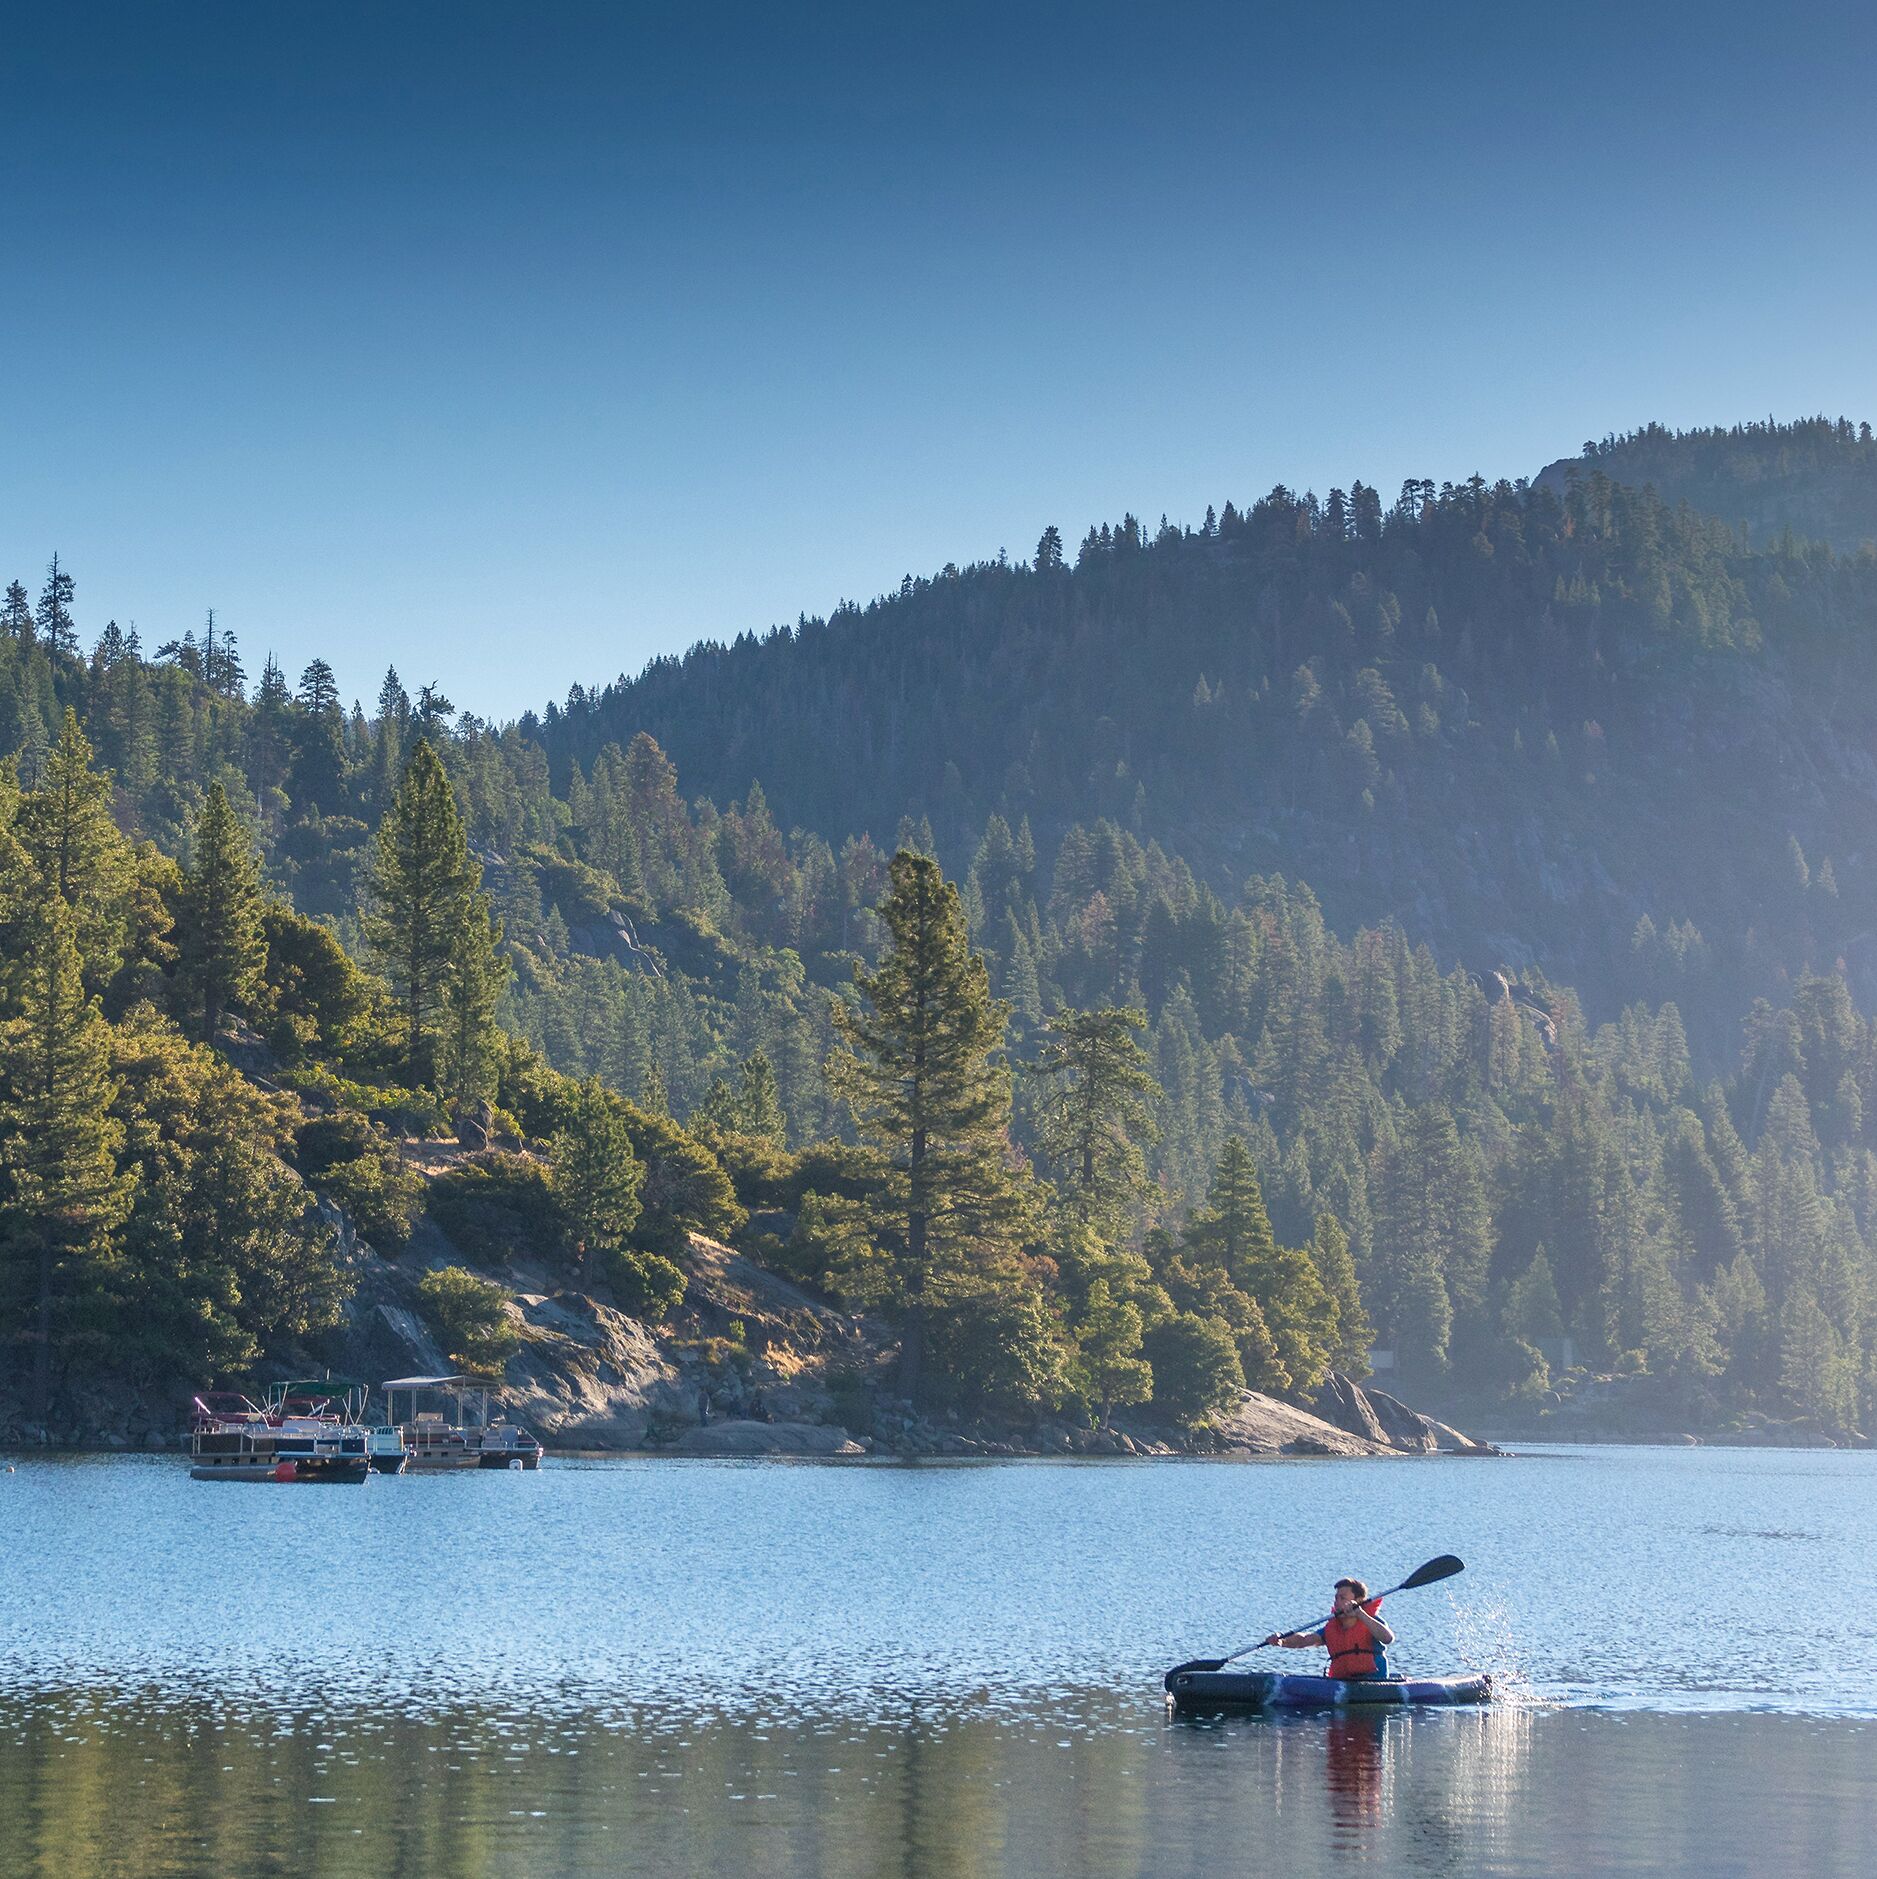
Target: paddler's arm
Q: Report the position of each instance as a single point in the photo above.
(1294, 1640)
(1378, 1628)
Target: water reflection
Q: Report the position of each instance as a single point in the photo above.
(97, 1784)
(1355, 1752)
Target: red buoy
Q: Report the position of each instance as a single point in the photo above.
(284, 1471)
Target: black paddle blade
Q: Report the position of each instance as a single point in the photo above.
(1432, 1573)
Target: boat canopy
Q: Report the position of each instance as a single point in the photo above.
(429, 1383)
(320, 1386)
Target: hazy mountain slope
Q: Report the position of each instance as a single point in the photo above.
(1520, 724)
(1816, 478)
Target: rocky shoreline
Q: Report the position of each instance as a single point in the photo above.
(750, 1365)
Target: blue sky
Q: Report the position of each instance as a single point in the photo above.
(518, 344)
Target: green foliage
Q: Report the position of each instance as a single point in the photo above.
(354, 1160)
(992, 1340)
(647, 1285)
(222, 947)
(1098, 1114)
(472, 989)
(66, 1195)
(373, 1183)
(315, 997)
(473, 1317)
(220, 1250)
(594, 1175)
(65, 827)
(921, 1074)
(1195, 1366)
(1232, 1234)
(423, 896)
(1518, 662)
(498, 1208)
(1108, 1345)
(1352, 1337)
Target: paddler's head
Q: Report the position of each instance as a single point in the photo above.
(1348, 1595)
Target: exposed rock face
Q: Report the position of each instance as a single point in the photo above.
(1343, 1403)
(766, 1438)
(588, 1376)
(1261, 1425)
(1377, 1417)
(475, 1128)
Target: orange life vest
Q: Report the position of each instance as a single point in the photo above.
(1351, 1644)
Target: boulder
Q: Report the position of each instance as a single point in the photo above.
(475, 1128)
(1404, 1428)
(766, 1438)
(1379, 1417)
(1345, 1405)
(1261, 1425)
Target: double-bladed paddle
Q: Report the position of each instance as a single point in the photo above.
(1431, 1574)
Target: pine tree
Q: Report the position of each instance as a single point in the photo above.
(921, 1072)
(1098, 1114)
(759, 1111)
(319, 690)
(58, 632)
(219, 921)
(1234, 1231)
(477, 976)
(58, 1144)
(269, 730)
(16, 614)
(1108, 1337)
(65, 826)
(422, 892)
(594, 1174)
(1353, 1336)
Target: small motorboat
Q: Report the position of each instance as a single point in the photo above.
(1189, 1690)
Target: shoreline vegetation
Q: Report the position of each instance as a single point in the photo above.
(401, 1039)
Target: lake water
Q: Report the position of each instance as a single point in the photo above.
(663, 1666)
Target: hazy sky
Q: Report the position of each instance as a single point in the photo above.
(518, 343)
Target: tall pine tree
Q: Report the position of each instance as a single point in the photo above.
(922, 1074)
(1098, 1114)
(219, 937)
(422, 894)
(58, 1146)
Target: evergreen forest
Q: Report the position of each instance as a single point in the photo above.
(1223, 950)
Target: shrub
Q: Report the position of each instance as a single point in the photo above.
(349, 1158)
(647, 1286)
(1195, 1364)
(473, 1316)
(497, 1207)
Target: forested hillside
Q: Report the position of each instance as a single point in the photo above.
(1587, 734)
(1816, 479)
(1280, 840)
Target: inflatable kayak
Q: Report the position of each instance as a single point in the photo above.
(1270, 1689)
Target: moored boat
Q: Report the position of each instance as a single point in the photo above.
(1190, 1690)
(313, 1430)
(448, 1424)
(232, 1438)
(325, 1402)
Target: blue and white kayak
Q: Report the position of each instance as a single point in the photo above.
(1270, 1689)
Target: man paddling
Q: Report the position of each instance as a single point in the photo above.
(1353, 1634)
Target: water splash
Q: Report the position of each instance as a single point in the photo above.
(1483, 1632)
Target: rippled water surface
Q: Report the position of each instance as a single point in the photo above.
(671, 1666)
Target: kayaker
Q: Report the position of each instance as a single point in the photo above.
(1353, 1634)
